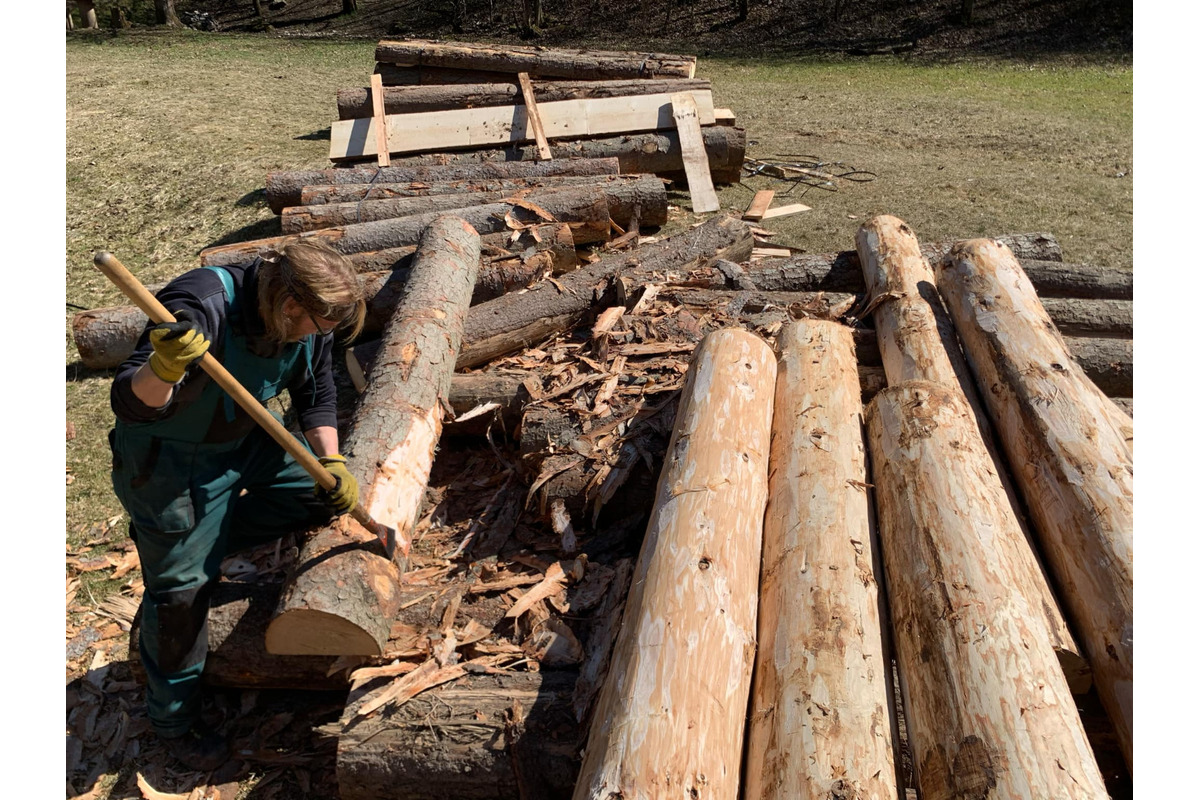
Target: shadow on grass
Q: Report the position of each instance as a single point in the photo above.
(316, 136)
(262, 229)
(76, 372)
(256, 198)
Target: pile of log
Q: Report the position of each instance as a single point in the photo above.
(647, 498)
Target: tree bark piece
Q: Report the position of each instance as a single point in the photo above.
(1075, 448)
(511, 322)
(283, 187)
(585, 209)
(988, 711)
(482, 737)
(820, 719)
(342, 597)
(537, 61)
(644, 194)
(917, 342)
(355, 103)
(673, 705)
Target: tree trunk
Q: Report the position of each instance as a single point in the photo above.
(537, 61)
(645, 195)
(164, 13)
(674, 701)
(70, 20)
(331, 194)
(356, 103)
(917, 342)
(1086, 281)
(655, 152)
(512, 322)
(1073, 317)
(1108, 363)
(820, 716)
(1075, 448)
(987, 709)
(394, 75)
(482, 737)
(284, 187)
(87, 14)
(342, 597)
(118, 19)
(585, 208)
(349, 6)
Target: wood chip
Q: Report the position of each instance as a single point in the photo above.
(554, 582)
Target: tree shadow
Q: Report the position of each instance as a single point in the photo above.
(263, 229)
(323, 135)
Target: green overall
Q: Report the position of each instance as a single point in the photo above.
(188, 511)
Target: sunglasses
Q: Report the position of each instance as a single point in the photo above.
(321, 330)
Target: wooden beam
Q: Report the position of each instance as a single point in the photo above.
(725, 116)
(381, 136)
(783, 211)
(502, 125)
(684, 109)
(759, 205)
(535, 118)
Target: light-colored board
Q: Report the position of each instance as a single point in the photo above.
(382, 155)
(725, 116)
(770, 252)
(535, 118)
(783, 211)
(695, 159)
(759, 205)
(473, 127)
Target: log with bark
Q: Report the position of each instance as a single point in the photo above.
(396, 75)
(323, 194)
(343, 594)
(643, 195)
(820, 723)
(584, 208)
(512, 322)
(356, 103)
(656, 152)
(988, 712)
(283, 187)
(1073, 317)
(917, 342)
(1075, 451)
(537, 61)
(671, 714)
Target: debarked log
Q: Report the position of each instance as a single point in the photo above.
(283, 187)
(344, 593)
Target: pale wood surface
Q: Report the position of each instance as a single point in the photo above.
(670, 717)
(1074, 448)
(759, 205)
(535, 116)
(687, 108)
(380, 117)
(784, 211)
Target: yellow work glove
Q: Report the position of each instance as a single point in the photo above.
(176, 344)
(343, 497)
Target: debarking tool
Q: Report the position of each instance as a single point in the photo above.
(132, 288)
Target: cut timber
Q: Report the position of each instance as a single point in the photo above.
(988, 711)
(917, 342)
(512, 322)
(585, 208)
(820, 719)
(1087, 281)
(674, 701)
(283, 187)
(535, 116)
(540, 61)
(330, 194)
(643, 194)
(1075, 451)
(380, 118)
(355, 103)
(783, 211)
(342, 596)
(759, 205)
(395, 75)
(493, 736)
(725, 116)
(686, 109)
(658, 153)
(1107, 362)
(505, 125)
(1074, 317)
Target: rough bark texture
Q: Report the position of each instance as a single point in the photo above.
(600, 640)
(585, 209)
(1074, 317)
(283, 188)
(1088, 281)
(820, 722)
(342, 597)
(917, 342)
(354, 192)
(1075, 451)
(537, 61)
(1108, 363)
(987, 709)
(669, 721)
(511, 322)
(356, 103)
(396, 75)
(483, 737)
(657, 152)
(645, 195)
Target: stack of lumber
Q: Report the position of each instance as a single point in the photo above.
(644, 526)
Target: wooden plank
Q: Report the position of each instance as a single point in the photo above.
(759, 205)
(535, 118)
(498, 125)
(783, 211)
(725, 116)
(695, 159)
(380, 121)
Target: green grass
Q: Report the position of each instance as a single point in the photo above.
(170, 136)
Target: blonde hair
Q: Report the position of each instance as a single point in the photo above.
(316, 276)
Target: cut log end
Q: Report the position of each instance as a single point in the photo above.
(305, 632)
